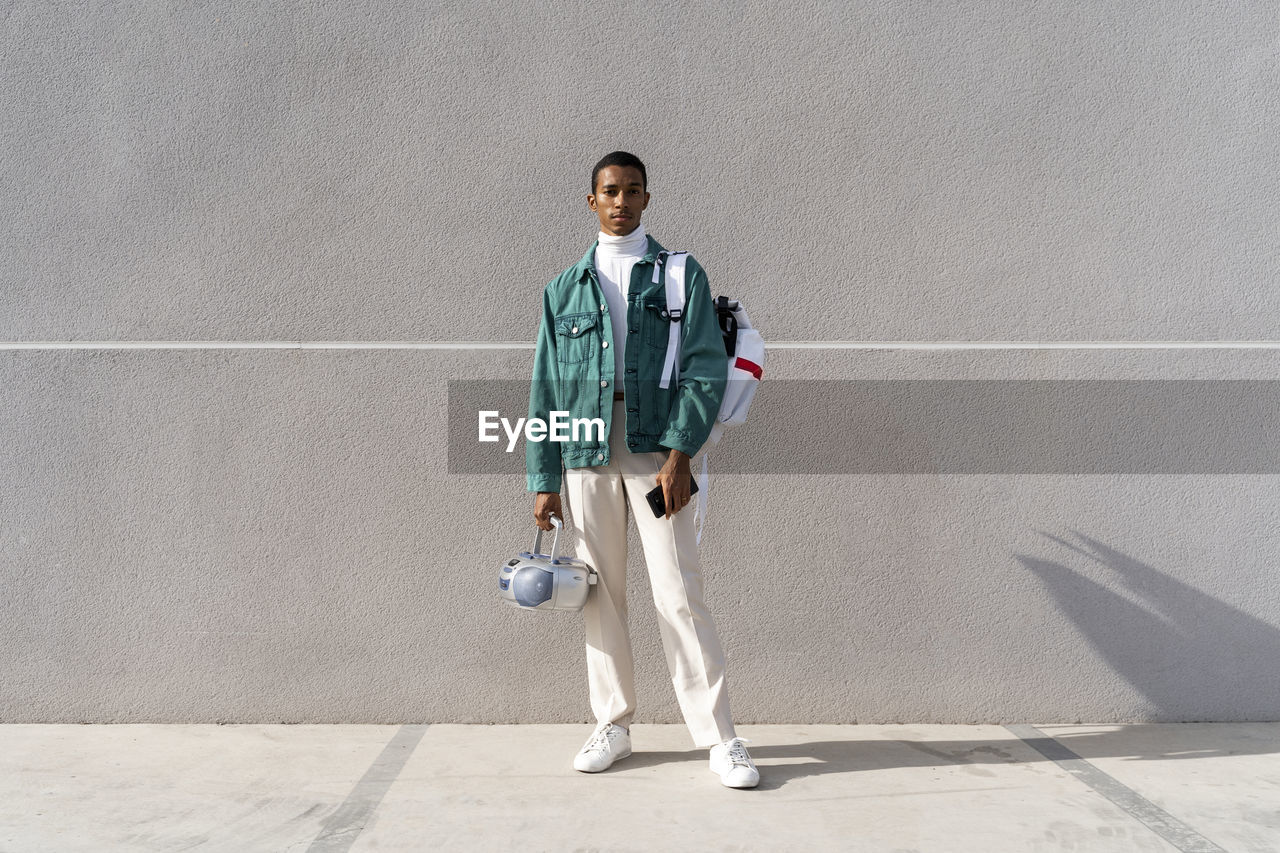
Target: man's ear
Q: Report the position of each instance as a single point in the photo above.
(591, 201)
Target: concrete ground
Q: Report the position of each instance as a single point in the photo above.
(1159, 787)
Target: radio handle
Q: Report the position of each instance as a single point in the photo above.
(555, 542)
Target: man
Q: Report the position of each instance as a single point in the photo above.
(601, 347)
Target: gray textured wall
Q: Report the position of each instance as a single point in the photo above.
(258, 534)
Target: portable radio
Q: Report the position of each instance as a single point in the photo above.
(537, 581)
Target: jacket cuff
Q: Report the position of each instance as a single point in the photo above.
(680, 440)
(543, 482)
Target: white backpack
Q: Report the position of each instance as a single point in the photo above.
(744, 348)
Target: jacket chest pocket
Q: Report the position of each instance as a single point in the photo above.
(576, 337)
(655, 322)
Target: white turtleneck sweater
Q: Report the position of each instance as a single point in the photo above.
(615, 256)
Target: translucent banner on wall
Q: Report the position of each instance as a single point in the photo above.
(897, 426)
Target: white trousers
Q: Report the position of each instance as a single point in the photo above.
(599, 497)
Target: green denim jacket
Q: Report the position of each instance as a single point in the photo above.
(574, 364)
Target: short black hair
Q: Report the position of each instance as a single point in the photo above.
(620, 158)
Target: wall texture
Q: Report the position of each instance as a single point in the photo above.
(196, 533)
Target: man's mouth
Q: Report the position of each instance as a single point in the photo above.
(622, 216)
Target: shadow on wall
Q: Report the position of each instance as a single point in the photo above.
(1194, 657)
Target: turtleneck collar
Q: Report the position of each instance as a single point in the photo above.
(632, 245)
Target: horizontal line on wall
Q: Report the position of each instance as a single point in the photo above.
(946, 345)
(452, 345)
(528, 345)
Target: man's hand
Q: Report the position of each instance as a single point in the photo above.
(545, 505)
(674, 479)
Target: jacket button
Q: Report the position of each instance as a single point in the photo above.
(574, 330)
(599, 456)
(604, 383)
(602, 306)
(606, 345)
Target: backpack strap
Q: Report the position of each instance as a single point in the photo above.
(728, 323)
(672, 273)
(704, 487)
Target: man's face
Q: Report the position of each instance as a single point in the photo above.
(618, 200)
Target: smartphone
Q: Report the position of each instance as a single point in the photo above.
(658, 501)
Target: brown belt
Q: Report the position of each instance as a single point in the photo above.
(617, 395)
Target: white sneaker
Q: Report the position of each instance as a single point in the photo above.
(607, 744)
(735, 767)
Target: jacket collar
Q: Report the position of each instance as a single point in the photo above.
(582, 268)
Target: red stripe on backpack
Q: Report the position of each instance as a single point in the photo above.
(751, 367)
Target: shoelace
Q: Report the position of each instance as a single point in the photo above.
(738, 752)
(599, 740)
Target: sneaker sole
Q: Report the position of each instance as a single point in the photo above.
(616, 759)
(727, 785)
